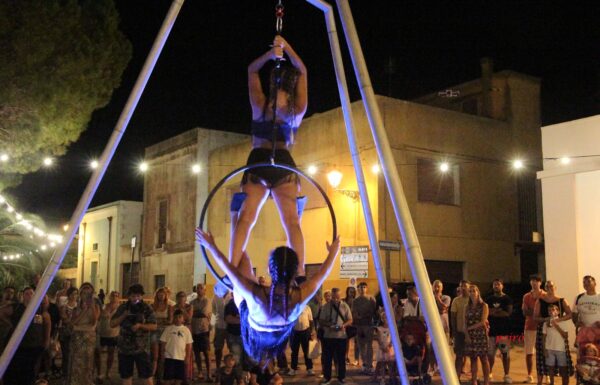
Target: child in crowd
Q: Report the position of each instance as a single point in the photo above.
(227, 374)
(589, 368)
(385, 352)
(555, 345)
(176, 346)
(412, 355)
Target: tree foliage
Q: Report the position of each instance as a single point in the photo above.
(61, 60)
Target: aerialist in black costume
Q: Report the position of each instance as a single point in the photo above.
(275, 120)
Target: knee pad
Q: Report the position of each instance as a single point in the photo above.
(301, 203)
(237, 200)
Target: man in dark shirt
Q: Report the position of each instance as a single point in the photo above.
(136, 320)
(234, 333)
(500, 307)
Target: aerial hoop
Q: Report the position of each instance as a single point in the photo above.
(246, 168)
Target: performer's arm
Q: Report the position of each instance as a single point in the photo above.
(255, 91)
(310, 287)
(242, 284)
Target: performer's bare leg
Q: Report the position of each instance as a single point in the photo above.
(284, 196)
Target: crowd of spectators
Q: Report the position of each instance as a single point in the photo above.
(76, 332)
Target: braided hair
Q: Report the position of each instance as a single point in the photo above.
(288, 81)
(283, 264)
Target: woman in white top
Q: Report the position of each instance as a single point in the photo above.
(108, 336)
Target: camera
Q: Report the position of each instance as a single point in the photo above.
(336, 327)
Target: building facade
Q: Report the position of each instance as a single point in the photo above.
(175, 188)
(105, 255)
(470, 219)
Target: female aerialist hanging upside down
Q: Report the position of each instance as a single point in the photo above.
(268, 314)
(275, 121)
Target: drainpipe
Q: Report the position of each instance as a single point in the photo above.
(83, 254)
(108, 257)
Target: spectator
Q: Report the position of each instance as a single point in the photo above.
(186, 309)
(22, 368)
(83, 340)
(66, 329)
(218, 303)
(349, 299)
(412, 354)
(556, 345)
(108, 335)
(201, 311)
(8, 296)
(412, 305)
(101, 296)
(315, 302)
(385, 351)
(176, 345)
(476, 339)
(363, 312)
(397, 306)
(162, 313)
(500, 308)
(541, 315)
(136, 320)
(62, 295)
(234, 333)
(169, 295)
(529, 300)
(457, 328)
(227, 374)
(327, 296)
(334, 317)
(443, 304)
(586, 308)
(301, 334)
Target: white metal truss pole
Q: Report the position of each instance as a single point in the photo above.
(92, 186)
(360, 180)
(398, 199)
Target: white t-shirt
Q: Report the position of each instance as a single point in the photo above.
(176, 338)
(411, 310)
(554, 341)
(588, 308)
(303, 322)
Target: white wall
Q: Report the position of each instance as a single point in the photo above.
(570, 194)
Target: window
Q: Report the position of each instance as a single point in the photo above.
(163, 208)
(95, 247)
(436, 186)
(159, 281)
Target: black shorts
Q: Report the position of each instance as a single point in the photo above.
(270, 176)
(141, 360)
(174, 369)
(111, 342)
(201, 342)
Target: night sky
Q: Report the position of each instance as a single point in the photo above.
(200, 78)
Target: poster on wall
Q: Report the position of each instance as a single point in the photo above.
(354, 262)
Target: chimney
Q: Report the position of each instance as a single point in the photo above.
(487, 73)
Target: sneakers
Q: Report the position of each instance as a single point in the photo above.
(529, 380)
(291, 372)
(354, 363)
(507, 379)
(325, 382)
(310, 372)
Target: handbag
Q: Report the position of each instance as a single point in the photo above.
(314, 349)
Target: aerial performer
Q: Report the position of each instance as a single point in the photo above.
(275, 121)
(268, 314)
